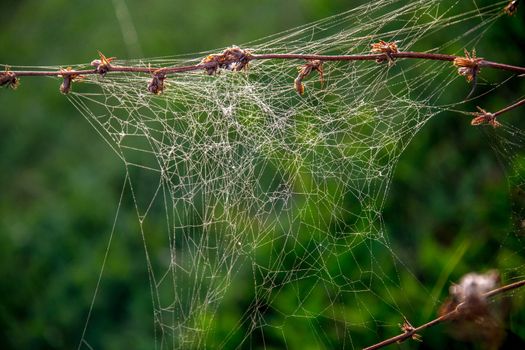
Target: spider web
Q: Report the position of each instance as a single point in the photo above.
(259, 209)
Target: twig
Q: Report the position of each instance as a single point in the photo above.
(307, 57)
(457, 311)
(504, 289)
(237, 59)
(509, 108)
(484, 117)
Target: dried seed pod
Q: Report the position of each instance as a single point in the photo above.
(298, 84)
(156, 85)
(65, 87)
(305, 71)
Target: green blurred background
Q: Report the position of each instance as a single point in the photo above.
(448, 212)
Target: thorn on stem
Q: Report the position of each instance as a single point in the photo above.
(305, 70)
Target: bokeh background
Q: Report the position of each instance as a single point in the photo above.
(451, 203)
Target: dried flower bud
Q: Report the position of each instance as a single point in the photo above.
(9, 79)
(305, 71)
(388, 48)
(512, 7)
(299, 86)
(211, 59)
(468, 66)
(407, 328)
(156, 85)
(102, 65)
(484, 117)
(233, 58)
(65, 87)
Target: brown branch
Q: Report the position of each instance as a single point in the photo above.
(455, 312)
(235, 58)
(484, 117)
(502, 66)
(504, 289)
(365, 57)
(509, 108)
(308, 57)
(404, 336)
